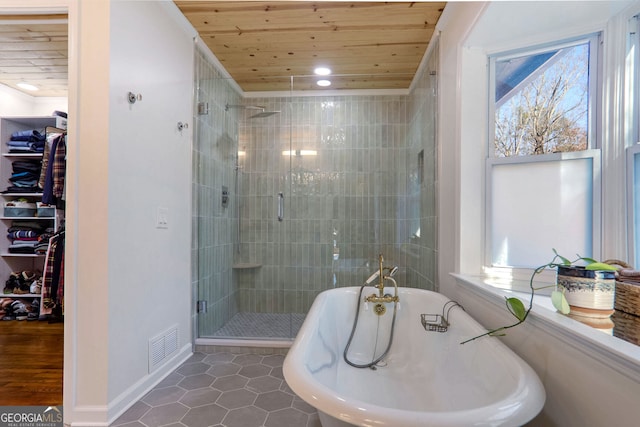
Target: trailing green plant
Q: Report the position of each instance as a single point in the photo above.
(517, 308)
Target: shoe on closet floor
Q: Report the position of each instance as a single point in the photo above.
(21, 290)
(8, 314)
(5, 302)
(29, 276)
(9, 285)
(19, 310)
(12, 284)
(36, 286)
(34, 314)
(5, 305)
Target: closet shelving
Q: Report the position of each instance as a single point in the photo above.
(14, 262)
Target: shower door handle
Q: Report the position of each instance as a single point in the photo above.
(280, 206)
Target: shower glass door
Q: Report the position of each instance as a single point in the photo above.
(262, 260)
(241, 251)
(295, 194)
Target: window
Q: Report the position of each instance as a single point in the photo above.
(633, 151)
(543, 103)
(541, 100)
(633, 196)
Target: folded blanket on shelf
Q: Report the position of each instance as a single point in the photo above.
(25, 183)
(20, 143)
(17, 176)
(35, 226)
(26, 141)
(24, 243)
(14, 189)
(28, 135)
(21, 249)
(32, 149)
(22, 234)
(27, 166)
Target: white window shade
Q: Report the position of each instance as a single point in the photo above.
(539, 205)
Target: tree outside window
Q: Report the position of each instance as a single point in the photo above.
(542, 102)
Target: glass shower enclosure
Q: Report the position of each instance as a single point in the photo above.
(295, 194)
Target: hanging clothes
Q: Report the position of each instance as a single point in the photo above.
(59, 169)
(56, 166)
(51, 136)
(53, 277)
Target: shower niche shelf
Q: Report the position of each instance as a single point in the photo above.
(245, 265)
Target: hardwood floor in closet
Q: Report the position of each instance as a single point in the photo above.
(31, 356)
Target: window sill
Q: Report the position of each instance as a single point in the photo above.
(614, 352)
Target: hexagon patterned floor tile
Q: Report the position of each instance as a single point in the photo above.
(222, 390)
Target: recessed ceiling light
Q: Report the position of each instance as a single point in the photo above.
(26, 86)
(323, 83)
(322, 71)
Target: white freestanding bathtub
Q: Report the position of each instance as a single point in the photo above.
(426, 379)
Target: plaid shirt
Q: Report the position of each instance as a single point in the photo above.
(54, 177)
(53, 276)
(59, 168)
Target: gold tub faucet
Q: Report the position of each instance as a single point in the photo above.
(381, 297)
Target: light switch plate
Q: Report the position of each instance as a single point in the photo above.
(162, 217)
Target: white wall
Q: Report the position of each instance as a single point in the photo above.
(581, 390)
(15, 103)
(129, 281)
(149, 168)
(45, 106)
(456, 21)
(573, 379)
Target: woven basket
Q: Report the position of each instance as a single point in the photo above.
(627, 294)
(628, 298)
(627, 327)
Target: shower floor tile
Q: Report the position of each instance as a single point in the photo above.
(261, 325)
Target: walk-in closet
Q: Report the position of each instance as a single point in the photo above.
(33, 128)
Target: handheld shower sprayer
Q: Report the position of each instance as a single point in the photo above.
(372, 278)
(387, 271)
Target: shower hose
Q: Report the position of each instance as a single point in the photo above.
(373, 363)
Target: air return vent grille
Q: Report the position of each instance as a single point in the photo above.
(162, 346)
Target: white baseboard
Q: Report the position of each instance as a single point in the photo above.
(134, 393)
(230, 342)
(87, 416)
(103, 416)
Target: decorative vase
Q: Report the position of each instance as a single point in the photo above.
(590, 293)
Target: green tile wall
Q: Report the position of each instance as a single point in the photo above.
(364, 193)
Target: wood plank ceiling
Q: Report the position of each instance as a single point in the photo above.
(367, 45)
(33, 49)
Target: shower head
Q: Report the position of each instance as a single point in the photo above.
(264, 114)
(263, 110)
